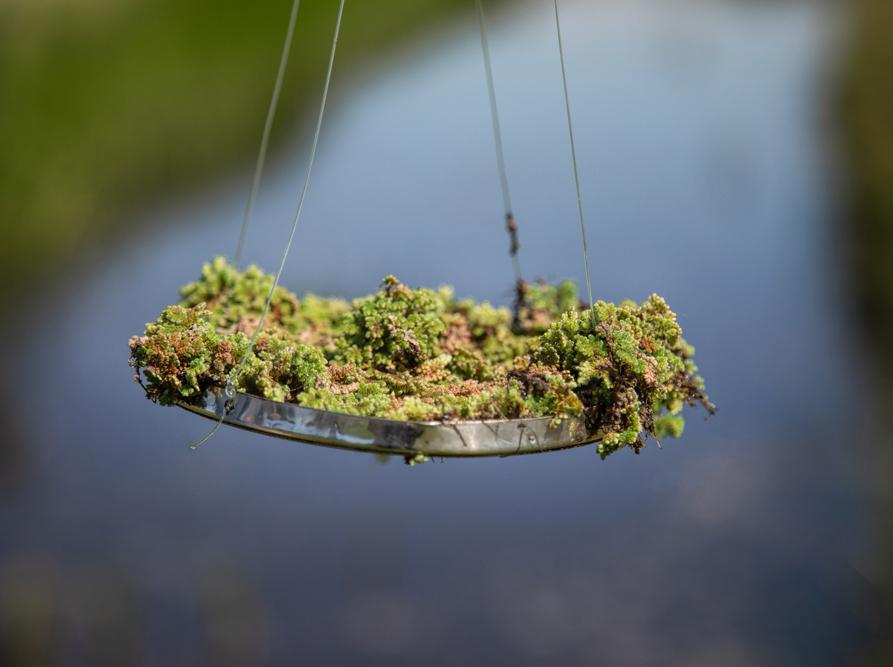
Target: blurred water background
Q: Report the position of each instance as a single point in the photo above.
(711, 174)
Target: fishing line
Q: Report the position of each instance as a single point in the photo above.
(265, 138)
(229, 390)
(570, 131)
(511, 225)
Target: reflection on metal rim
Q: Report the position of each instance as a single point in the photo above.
(496, 437)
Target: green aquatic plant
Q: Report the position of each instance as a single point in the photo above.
(539, 304)
(419, 354)
(182, 354)
(632, 368)
(393, 330)
(237, 298)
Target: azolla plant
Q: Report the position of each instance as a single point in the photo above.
(421, 354)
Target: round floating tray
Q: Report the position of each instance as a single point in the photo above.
(492, 437)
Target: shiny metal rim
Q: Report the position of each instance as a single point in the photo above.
(496, 437)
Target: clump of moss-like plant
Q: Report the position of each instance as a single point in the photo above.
(420, 354)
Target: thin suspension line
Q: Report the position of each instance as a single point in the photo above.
(570, 131)
(229, 390)
(265, 138)
(510, 223)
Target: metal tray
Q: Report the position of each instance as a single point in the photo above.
(493, 437)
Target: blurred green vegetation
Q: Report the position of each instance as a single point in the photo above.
(107, 103)
(868, 134)
(867, 123)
